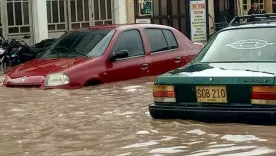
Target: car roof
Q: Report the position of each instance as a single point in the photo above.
(124, 26)
(112, 26)
(121, 27)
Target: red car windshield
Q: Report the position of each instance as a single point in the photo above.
(79, 44)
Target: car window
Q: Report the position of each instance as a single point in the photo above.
(250, 44)
(157, 40)
(69, 39)
(101, 47)
(131, 41)
(80, 40)
(170, 39)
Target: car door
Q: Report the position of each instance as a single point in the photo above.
(165, 55)
(133, 66)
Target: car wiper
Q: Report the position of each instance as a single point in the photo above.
(79, 52)
(74, 50)
(55, 52)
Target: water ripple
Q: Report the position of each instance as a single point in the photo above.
(113, 119)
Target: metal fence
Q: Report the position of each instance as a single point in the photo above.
(65, 15)
(16, 18)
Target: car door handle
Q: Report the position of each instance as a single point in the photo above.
(178, 59)
(144, 66)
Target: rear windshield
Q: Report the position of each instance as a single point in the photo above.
(82, 41)
(254, 44)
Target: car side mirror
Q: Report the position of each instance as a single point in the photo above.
(26, 37)
(119, 54)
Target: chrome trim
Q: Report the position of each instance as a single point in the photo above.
(164, 51)
(130, 57)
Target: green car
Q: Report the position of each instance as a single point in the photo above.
(233, 77)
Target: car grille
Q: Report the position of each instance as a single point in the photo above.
(240, 94)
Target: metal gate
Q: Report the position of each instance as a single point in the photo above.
(79, 14)
(65, 15)
(173, 13)
(103, 12)
(56, 17)
(16, 18)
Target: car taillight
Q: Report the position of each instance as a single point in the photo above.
(264, 95)
(163, 93)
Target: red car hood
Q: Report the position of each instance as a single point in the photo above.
(42, 67)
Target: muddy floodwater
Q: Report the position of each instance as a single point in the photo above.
(113, 120)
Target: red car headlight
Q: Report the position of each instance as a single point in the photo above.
(56, 79)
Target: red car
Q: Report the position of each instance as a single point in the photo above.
(104, 54)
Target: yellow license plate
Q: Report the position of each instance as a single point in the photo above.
(211, 94)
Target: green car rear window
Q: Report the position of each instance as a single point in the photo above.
(238, 45)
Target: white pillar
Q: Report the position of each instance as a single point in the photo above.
(240, 7)
(211, 10)
(40, 20)
(120, 15)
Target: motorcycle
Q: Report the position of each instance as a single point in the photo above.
(14, 52)
(17, 51)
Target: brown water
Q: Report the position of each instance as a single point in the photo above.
(113, 120)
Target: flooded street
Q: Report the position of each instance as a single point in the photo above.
(113, 120)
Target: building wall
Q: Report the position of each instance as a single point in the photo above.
(120, 12)
(48, 18)
(268, 6)
(211, 15)
(130, 11)
(171, 13)
(40, 25)
(16, 17)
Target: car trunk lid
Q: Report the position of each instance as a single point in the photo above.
(236, 82)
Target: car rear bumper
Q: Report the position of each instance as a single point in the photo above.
(213, 113)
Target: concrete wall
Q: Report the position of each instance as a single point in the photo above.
(130, 11)
(40, 20)
(120, 12)
(211, 16)
(268, 6)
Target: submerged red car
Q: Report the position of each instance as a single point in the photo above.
(104, 54)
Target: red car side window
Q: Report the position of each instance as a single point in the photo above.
(170, 39)
(157, 40)
(131, 41)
